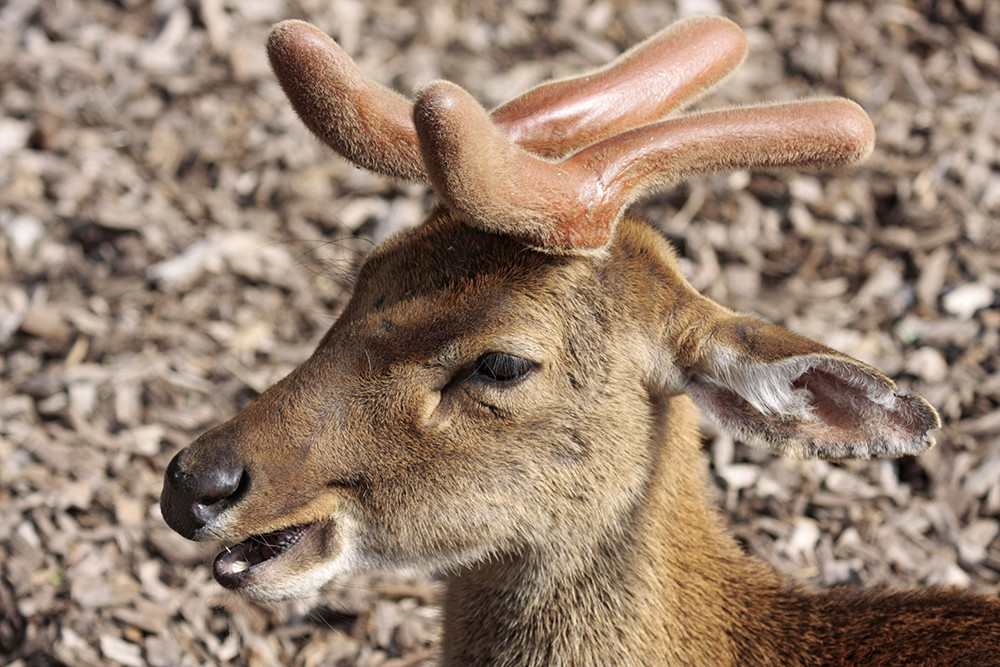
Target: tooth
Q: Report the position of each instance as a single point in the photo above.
(239, 566)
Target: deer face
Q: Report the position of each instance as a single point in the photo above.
(432, 425)
(500, 381)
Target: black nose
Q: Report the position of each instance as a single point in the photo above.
(193, 496)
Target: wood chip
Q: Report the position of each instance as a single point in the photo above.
(172, 240)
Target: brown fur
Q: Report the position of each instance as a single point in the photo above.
(566, 501)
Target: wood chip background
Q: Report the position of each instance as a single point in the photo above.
(172, 241)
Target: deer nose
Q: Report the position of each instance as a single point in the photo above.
(193, 498)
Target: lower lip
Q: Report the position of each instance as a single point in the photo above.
(235, 574)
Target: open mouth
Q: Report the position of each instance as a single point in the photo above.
(233, 566)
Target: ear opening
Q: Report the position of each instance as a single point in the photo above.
(815, 404)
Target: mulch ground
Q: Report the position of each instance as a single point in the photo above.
(172, 241)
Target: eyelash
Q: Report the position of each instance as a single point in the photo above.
(501, 368)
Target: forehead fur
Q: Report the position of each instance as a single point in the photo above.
(445, 257)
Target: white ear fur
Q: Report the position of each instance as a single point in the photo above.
(767, 387)
(816, 405)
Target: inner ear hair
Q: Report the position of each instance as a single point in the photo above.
(793, 396)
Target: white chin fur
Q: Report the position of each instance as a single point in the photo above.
(289, 584)
(298, 585)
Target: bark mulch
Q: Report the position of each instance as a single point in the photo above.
(172, 241)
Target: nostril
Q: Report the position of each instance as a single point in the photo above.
(225, 489)
(197, 493)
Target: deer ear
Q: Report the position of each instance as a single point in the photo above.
(775, 389)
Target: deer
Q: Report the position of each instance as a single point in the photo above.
(511, 396)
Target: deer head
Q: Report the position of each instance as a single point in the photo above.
(509, 375)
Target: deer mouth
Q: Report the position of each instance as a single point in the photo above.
(238, 565)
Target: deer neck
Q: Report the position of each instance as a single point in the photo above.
(613, 600)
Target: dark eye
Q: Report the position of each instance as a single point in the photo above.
(500, 367)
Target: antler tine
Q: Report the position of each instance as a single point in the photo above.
(365, 122)
(574, 206)
(807, 134)
(372, 126)
(498, 186)
(672, 68)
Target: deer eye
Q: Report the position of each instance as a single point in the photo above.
(503, 368)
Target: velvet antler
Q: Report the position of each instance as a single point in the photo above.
(365, 122)
(574, 205)
(373, 127)
(663, 73)
(558, 165)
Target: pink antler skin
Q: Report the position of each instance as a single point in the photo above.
(493, 169)
(669, 70)
(367, 123)
(574, 206)
(372, 126)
